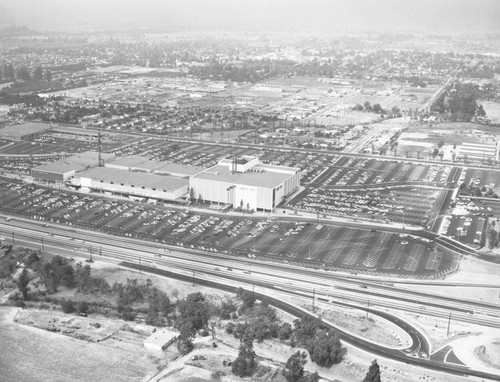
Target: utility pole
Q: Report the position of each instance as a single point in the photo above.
(13, 239)
(43, 249)
(140, 265)
(367, 308)
(449, 322)
(314, 296)
(193, 277)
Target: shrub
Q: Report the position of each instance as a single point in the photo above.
(67, 306)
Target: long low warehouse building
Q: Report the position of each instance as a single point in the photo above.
(64, 169)
(131, 183)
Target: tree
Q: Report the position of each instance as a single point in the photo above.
(193, 311)
(48, 75)
(244, 364)
(248, 299)
(31, 260)
(23, 73)
(8, 71)
(480, 111)
(285, 331)
(67, 306)
(57, 272)
(373, 374)
(326, 349)
(185, 339)
(323, 346)
(395, 111)
(367, 106)
(37, 73)
(378, 109)
(22, 283)
(294, 368)
(82, 307)
(82, 276)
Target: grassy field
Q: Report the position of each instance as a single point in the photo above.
(492, 110)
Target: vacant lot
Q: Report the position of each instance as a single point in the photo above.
(38, 355)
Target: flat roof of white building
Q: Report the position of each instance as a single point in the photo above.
(180, 169)
(19, 131)
(160, 338)
(129, 160)
(134, 178)
(266, 179)
(143, 163)
(78, 162)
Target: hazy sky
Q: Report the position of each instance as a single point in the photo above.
(262, 14)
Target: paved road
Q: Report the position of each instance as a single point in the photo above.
(361, 343)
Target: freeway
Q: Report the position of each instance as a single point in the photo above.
(361, 343)
(273, 276)
(335, 284)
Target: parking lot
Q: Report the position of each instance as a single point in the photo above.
(382, 190)
(468, 229)
(301, 243)
(403, 204)
(483, 179)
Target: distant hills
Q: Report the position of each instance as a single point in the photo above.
(16, 31)
(426, 16)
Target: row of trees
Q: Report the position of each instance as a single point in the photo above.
(23, 73)
(395, 112)
(60, 272)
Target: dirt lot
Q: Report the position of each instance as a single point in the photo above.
(373, 328)
(489, 353)
(39, 355)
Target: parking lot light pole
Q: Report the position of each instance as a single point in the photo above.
(449, 322)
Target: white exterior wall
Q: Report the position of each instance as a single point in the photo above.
(210, 191)
(291, 184)
(247, 194)
(117, 166)
(137, 191)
